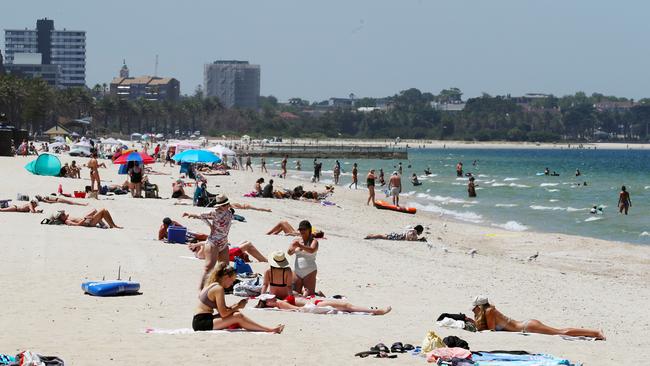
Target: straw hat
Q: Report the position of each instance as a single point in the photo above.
(278, 260)
(221, 200)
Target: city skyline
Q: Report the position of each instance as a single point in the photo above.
(373, 48)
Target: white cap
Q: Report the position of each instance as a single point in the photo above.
(479, 300)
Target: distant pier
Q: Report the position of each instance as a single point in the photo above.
(323, 151)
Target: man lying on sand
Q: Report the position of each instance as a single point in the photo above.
(487, 317)
(28, 207)
(408, 235)
(94, 218)
(298, 303)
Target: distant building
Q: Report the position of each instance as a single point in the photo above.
(235, 83)
(64, 48)
(2, 67)
(448, 107)
(614, 106)
(148, 87)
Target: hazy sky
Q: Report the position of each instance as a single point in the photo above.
(319, 49)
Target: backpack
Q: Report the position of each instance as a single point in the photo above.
(53, 220)
(250, 288)
(242, 267)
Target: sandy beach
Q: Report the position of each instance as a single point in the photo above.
(575, 282)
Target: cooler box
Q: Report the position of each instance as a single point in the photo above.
(79, 194)
(176, 234)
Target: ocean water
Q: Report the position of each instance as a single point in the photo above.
(513, 196)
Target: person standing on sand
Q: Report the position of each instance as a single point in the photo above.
(284, 167)
(370, 182)
(395, 187)
(337, 172)
(93, 165)
(249, 163)
(355, 176)
(216, 247)
(624, 201)
(471, 187)
(304, 248)
(263, 167)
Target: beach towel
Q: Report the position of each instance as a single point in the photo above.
(451, 323)
(507, 359)
(448, 353)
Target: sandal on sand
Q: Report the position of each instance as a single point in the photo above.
(397, 347)
(380, 347)
(408, 347)
(366, 354)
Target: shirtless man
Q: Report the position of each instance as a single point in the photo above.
(624, 201)
(93, 165)
(395, 187)
(29, 207)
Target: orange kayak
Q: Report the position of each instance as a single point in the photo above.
(383, 205)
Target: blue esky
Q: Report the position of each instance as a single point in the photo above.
(320, 49)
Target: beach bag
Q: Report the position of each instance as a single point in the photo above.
(432, 341)
(22, 197)
(103, 190)
(242, 267)
(4, 203)
(249, 288)
(453, 341)
(28, 358)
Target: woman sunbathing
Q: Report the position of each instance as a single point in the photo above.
(212, 297)
(271, 301)
(487, 317)
(28, 207)
(54, 199)
(408, 235)
(243, 250)
(178, 191)
(102, 218)
(288, 230)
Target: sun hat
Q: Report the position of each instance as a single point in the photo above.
(278, 260)
(221, 200)
(265, 297)
(479, 300)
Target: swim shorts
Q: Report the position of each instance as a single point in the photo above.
(396, 236)
(394, 191)
(204, 321)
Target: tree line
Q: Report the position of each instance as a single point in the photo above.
(34, 105)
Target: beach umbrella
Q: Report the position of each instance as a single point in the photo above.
(45, 164)
(221, 150)
(197, 156)
(160, 136)
(54, 145)
(134, 156)
(82, 144)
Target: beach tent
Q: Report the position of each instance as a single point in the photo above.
(45, 164)
(136, 137)
(221, 151)
(160, 136)
(110, 141)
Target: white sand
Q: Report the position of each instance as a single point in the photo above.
(577, 282)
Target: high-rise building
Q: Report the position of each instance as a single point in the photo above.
(235, 83)
(65, 48)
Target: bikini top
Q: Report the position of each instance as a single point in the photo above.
(203, 297)
(283, 284)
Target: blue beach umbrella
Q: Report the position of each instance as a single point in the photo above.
(197, 156)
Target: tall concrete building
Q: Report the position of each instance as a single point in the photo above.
(235, 83)
(65, 48)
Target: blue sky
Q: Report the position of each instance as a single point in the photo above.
(319, 49)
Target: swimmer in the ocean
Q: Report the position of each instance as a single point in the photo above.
(546, 171)
(415, 181)
(427, 171)
(578, 173)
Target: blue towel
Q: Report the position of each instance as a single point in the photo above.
(506, 359)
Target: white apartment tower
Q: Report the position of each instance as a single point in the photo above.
(66, 48)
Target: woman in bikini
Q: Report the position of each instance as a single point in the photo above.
(288, 230)
(370, 183)
(54, 199)
(93, 165)
(92, 219)
(28, 207)
(624, 201)
(304, 248)
(278, 278)
(487, 317)
(270, 301)
(212, 298)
